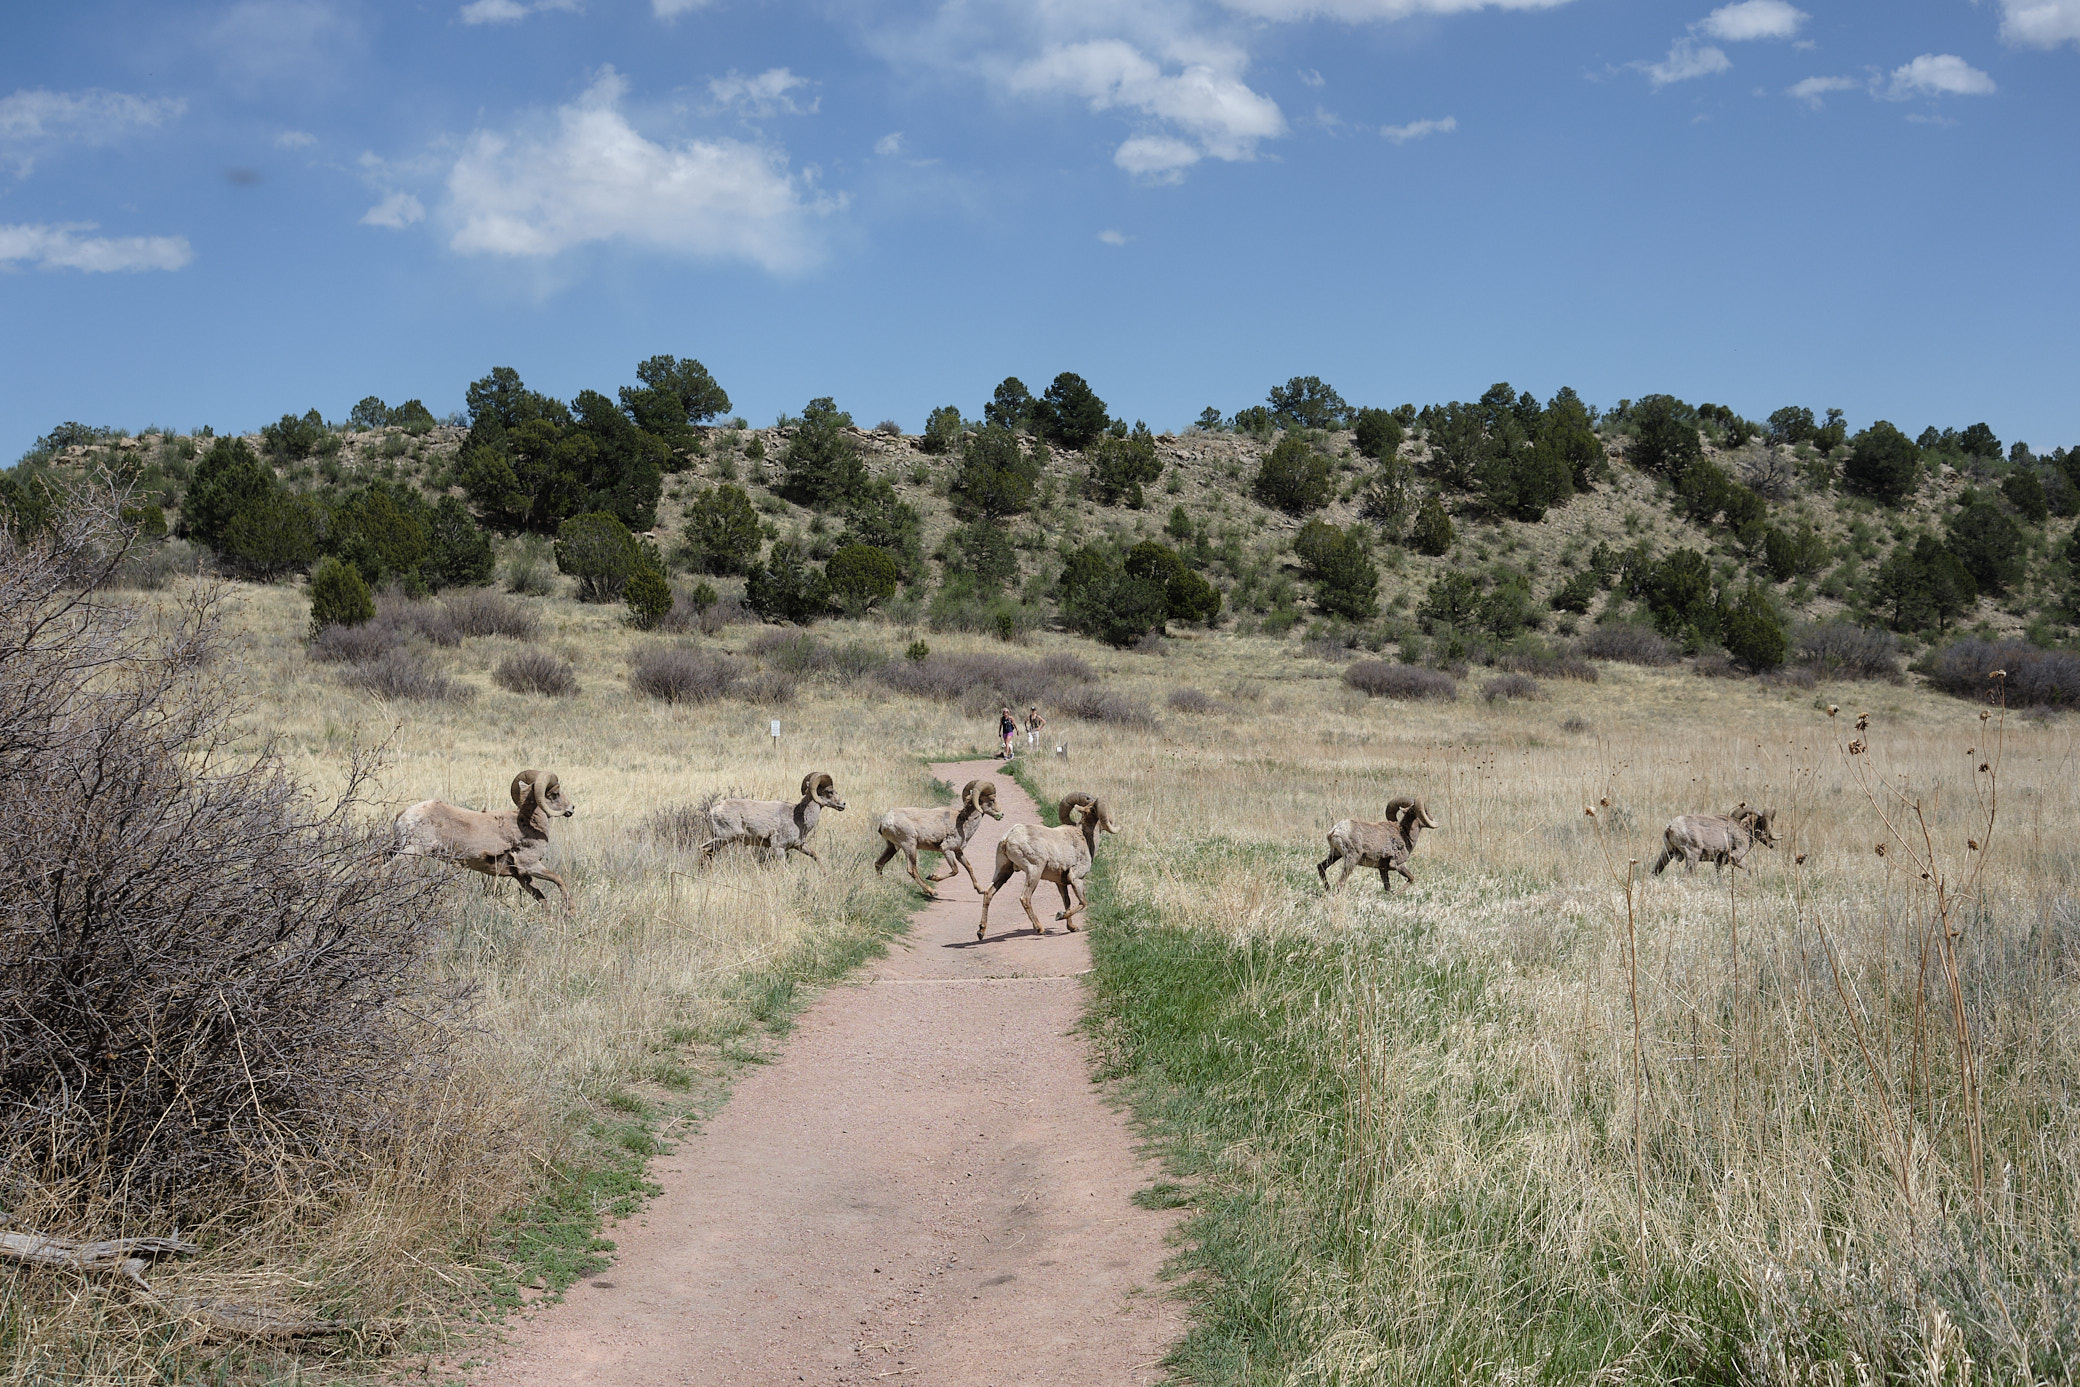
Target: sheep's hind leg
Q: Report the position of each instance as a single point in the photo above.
(1321, 868)
(923, 884)
(887, 855)
(1025, 898)
(1067, 914)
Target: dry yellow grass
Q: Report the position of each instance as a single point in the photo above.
(1764, 1127)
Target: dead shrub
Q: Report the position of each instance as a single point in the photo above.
(1546, 662)
(340, 645)
(482, 612)
(1190, 700)
(1631, 645)
(2034, 677)
(536, 672)
(1382, 679)
(206, 996)
(401, 673)
(1716, 664)
(1095, 703)
(1838, 650)
(680, 674)
(1509, 687)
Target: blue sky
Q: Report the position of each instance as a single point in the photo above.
(215, 213)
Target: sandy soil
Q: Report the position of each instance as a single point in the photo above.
(925, 1185)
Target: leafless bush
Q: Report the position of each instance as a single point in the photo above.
(1190, 700)
(1067, 669)
(408, 615)
(769, 687)
(1152, 644)
(1511, 686)
(1716, 664)
(1575, 724)
(1632, 645)
(2035, 678)
(1548, 663)
(682, 827)
(536, 672)
(204, 990)
(1096, 703)
(370, 640)
(797, 652)
(723, 612)
(530, 567)
(401, 673)
(679, 674)
(1381, 679)
(482, 612)
(1791, 676)
(1838, 650)
(149, 567)
(1325, 648)
(889, 428)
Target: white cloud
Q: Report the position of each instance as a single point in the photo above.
(1311, 78)
(672, 9)
(764, 95)
(2041, 23)
(592, 177)
(1813, 88)
(1939, 74)
(1686, 60)
(1114, 238)
(506, 11)
(32, 122)
(397, 211)
(889, 145)
(1419, 129)
(60, 247)
(1753, 19)
(1212, 112)
(295, 139)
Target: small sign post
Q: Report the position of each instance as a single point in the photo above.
(776, 734)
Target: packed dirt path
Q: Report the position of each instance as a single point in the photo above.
(924, 1187)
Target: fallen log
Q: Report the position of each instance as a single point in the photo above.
(128, 1258)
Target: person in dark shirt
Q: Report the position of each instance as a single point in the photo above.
(1007, 731)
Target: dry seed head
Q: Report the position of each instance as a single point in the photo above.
(1832, 709)
(1863, 720)
(1972, 844)
(1880, 849)
(1799, 860)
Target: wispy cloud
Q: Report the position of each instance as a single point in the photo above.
(1686, 59)
(397, 211)
(33, 122)
(1753, 19)
(1813, 88)
(279, 42)
(1114, 238)
(2041, 23)
(1309, 77)
(1419, 129)
(768, 93)
(62, 247)
(672, 9)
(295, 139)
(889, 145)
(1938, 74)
(1358, 11)
(588, 176)
(508, 11)
(1208, 110)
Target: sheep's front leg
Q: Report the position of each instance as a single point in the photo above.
(1406, 875)
(1386, 878)
(804, 850)
(549, 876)
(1025, 898)
(924, 884)
(1004, 871)
(1067, 914)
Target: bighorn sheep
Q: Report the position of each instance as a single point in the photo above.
(773, 824)
(944, 831)
(1387, 844)
(1060, 855)
(1724, 838)
(509, 844)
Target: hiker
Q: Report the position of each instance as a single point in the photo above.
(1034, 722)
(1007, 730)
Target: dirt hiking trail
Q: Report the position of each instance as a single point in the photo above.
(924, 1186)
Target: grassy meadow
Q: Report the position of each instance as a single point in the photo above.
(1420, 1135)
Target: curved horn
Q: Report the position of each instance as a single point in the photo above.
(1396, 805)
(522, 783)
(824, 783)
(1067, 810)
(1423, 815)
(968, 791)
(986, 790)
(809, 783)
(550, 783)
